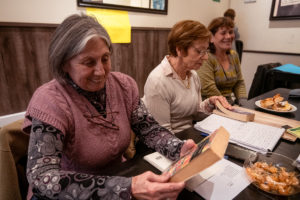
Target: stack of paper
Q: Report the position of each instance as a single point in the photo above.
(252, 135)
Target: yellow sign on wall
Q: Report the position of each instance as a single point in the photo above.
(115, 22)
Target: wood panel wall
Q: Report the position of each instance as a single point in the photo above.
(24, 62)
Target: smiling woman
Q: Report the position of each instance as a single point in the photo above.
(221, 73)
(80, 123)
(90, 68)
(148, 6)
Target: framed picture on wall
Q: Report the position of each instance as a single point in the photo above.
(285, 9)
(146, 6)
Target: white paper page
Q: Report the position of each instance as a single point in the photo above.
(158, 161)
(213, 122)
(252, 135)
(227, 183)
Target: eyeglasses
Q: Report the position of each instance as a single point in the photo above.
(201, 52)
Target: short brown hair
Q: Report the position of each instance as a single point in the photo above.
(229, 13)
(219, 22)
(184, 33)
(214, 26)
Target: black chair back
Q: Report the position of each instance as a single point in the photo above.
(239, 48)
(260, 83)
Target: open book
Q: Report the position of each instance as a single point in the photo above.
(207, 152)
(162, 163)
(234, 113)
(252, 135)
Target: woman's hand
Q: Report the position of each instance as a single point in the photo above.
(222, 100)
(151, 186)
(187, 146)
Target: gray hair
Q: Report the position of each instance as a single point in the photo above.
(70, 38)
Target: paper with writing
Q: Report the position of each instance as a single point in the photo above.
(252, 135)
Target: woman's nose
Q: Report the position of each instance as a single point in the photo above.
(99, 69)
(229, 35)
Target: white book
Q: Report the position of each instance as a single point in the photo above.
(162, 163)
(159, 161)
(252, 135)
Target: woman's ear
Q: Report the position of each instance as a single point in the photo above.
(178, 51)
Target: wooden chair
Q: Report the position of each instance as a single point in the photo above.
(13, 160)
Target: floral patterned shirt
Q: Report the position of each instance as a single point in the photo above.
(46, 148)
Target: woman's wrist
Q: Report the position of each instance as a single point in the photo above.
(211, 104)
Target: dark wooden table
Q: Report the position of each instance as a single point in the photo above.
(235, 154)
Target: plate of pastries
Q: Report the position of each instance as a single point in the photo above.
(276, 104)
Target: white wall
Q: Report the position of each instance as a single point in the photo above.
(54, 11)
(7, 119)
(250, 61)
(260, 34)
(36, 11)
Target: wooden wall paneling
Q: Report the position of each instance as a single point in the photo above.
(137, 59)
(23, 65)
(24, 60)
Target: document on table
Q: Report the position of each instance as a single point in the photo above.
(252, 135)
(226, 183)
(162, 163)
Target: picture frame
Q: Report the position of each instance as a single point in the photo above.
(146, 6)
(285, 10)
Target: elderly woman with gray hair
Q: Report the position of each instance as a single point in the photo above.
(80, 123)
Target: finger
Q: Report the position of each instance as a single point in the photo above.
(159, 178)
(225, 103)
(187, 147)
(191, 143)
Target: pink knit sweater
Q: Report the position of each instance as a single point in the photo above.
(91, 142)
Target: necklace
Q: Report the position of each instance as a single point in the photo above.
(187, 85)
